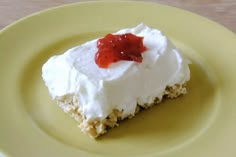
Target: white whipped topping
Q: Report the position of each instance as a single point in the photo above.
(124, 83)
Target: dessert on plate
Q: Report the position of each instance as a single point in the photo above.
(109, 79)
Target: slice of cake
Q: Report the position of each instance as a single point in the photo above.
(109, 79)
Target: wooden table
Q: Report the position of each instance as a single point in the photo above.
(221, 11)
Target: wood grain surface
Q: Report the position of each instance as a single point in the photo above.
(221, 11)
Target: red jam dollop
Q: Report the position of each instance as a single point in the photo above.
(113, 48)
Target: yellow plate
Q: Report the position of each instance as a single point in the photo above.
(199, 124)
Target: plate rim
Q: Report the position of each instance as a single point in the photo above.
(32, 15)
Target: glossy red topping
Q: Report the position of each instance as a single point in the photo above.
(113, 48)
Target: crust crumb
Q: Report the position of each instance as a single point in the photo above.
(98, 127)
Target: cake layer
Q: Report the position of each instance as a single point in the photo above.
(100, 91)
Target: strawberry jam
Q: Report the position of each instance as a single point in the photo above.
(113, 48)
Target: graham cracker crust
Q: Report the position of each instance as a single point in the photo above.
(97, 127)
